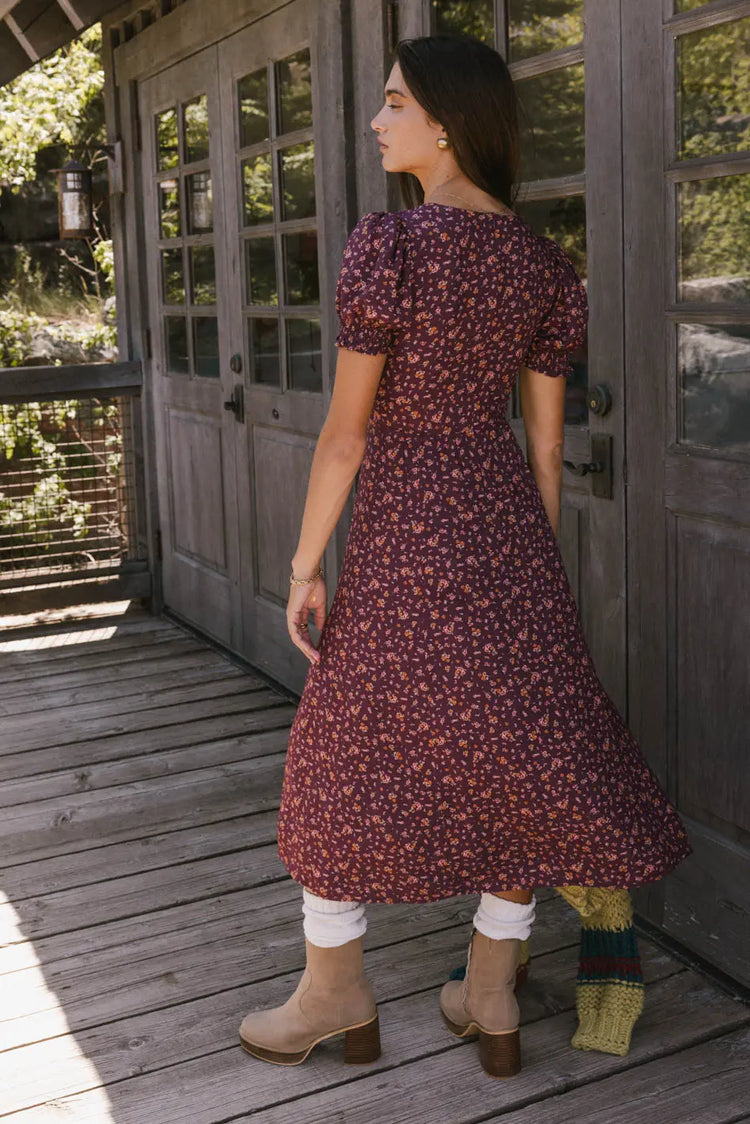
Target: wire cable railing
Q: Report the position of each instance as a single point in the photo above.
(71, 492)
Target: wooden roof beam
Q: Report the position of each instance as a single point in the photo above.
(19, 35)
(72, 14)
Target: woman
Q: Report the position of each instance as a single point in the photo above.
(453, 735)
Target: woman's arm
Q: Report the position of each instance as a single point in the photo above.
(338, 454)
(543, 410)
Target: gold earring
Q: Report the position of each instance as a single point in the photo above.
(442, 142)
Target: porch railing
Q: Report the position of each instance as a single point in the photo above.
(72, 524)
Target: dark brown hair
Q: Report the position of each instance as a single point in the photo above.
(466, 86)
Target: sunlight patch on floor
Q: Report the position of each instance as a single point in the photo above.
(39, 1055)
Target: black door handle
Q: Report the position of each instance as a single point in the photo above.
(237, 402)
(600, 465)
(584, 467)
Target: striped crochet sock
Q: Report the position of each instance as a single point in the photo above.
(609, 988)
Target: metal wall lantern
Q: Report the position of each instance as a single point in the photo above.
(74, 202)
(75, 205)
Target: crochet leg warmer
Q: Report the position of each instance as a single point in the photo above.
(609, 988)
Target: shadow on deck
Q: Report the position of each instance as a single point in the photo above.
(145, 910)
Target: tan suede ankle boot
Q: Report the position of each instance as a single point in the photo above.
(332, 997)
(485, 1001)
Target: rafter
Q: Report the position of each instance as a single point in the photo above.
(71, 13)
(30, 51)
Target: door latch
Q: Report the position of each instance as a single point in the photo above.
(237, 402)
(600, 465)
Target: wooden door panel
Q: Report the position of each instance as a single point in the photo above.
(274, 187)
(687, 302)
(280, 462)
(708, 561)
(196, 443)
(198, 501)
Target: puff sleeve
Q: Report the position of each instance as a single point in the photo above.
(373, 298)
(562, 327)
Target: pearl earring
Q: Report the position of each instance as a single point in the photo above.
(442, 142)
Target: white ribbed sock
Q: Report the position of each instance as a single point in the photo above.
(329, 923)
(500, 919)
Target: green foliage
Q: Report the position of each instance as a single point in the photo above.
(105, 259)
(713, 68)
(54, 106)
(16, 329)
(51, 104)
(18, 326)
(44, 440)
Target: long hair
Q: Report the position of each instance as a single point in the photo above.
(466, 86)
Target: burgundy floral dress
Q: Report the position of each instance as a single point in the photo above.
(454, 736)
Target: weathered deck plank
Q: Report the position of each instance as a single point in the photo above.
(145, 910)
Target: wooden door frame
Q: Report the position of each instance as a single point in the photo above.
(193, 26)
(592, 530)
(667, 481)
(280, 415)
(211, 584)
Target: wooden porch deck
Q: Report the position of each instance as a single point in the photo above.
(145, 910)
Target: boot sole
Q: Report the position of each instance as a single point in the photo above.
(361, 1046)
(499, 1052)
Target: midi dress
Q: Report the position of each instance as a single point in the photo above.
(454, 736)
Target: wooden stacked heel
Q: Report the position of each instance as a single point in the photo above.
(362, 1043)
(500, 1054)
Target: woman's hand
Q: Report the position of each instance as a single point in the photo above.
(304, 599)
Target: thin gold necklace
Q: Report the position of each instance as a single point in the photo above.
(474, 209)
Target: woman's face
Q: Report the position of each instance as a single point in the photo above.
(404, 130)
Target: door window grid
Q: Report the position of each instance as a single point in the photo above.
(278, 226)
(708, 108)
(544, 51)
(185, 244)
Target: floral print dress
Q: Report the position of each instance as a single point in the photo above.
(454, 736)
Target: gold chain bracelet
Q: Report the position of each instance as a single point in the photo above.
(306, 581)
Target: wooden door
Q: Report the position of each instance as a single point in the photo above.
(192, 381)
(567, 79)
(273, 189)
(687, 299)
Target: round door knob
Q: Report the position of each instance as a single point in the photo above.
(600, 399)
